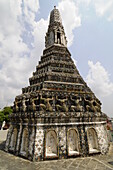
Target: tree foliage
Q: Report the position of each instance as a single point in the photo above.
(1, 116)
(4, 114)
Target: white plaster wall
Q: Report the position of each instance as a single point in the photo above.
(102, 138)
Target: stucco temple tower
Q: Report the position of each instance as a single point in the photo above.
(57, 115)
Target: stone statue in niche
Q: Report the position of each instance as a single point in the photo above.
(45, 104)
(58, 37)
(92, 105)
(92, 139)
(58, 41)
(61, 106)
(77, 104)
(51, 144)
(91, 142)
(72, 141)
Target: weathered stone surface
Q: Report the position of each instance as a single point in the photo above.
(57, 115)
(97, 162)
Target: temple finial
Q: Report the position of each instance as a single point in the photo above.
(55, 33)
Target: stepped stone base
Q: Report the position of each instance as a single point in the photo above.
(40, 141)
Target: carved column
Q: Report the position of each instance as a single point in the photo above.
(39, 140)
(19, 138)
(55, 37)
(31, 142)
(8, 140)
(83, 140)
(62, 142)
(102, 138)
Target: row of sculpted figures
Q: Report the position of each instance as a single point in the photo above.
(60, 103)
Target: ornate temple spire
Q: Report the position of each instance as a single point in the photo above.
(55, 34)
(55, 17)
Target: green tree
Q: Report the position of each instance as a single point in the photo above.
(4, 114)
(1, 117)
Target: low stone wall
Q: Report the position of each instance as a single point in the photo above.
(3, 135)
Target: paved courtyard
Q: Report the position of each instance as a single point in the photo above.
(97, 162)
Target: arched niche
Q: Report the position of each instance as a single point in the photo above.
(92, 140)
(14, 138)
(24, 145)
(51, 144)
(58, 37)
(72, 142)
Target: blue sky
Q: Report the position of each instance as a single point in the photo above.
(89, 29)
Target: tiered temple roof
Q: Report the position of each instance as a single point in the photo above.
(57, 115)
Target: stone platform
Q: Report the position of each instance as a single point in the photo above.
(95, 162)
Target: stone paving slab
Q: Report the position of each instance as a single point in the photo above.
(96, 162)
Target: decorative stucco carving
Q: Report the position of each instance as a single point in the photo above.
(62, 106)
(77, 100)
(53, 114)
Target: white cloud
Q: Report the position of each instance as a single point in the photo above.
(22, 42)
(86, 2)
(103, 8)
(107, 105)
(8, 18)
(30, 9)
(39, 33)
(98, 80)
(17, 19)
(71, 18)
